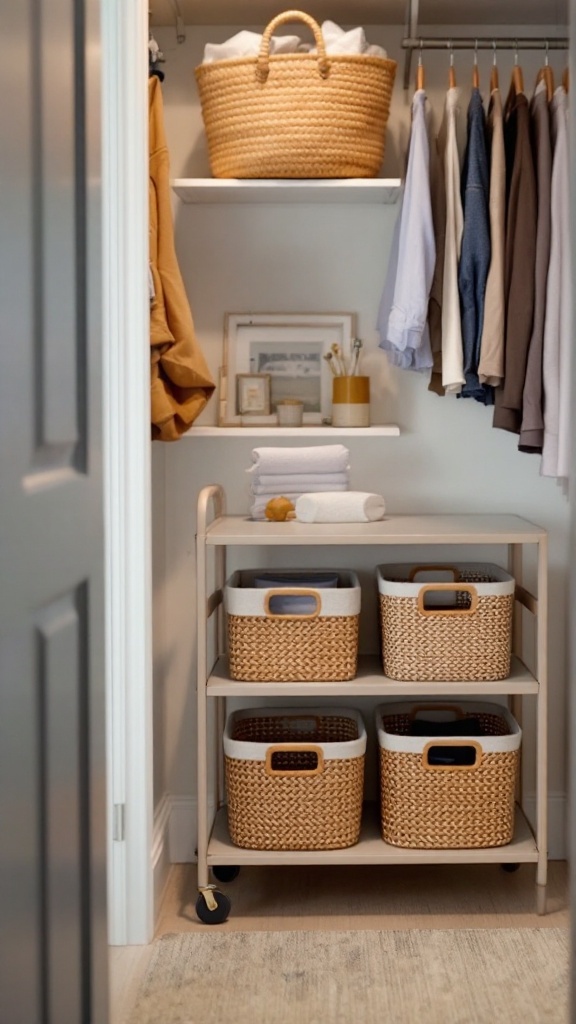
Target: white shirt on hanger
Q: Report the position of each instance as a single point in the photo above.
(556, 364)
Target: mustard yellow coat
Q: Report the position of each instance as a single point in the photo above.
(180, 380)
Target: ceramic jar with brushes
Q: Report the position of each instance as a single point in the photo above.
(350, 390)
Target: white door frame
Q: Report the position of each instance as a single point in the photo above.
(126, 384)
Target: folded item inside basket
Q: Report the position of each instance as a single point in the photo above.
(458, 727)
(308, 579)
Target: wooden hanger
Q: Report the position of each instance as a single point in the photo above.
(517, 84)
(420, 71)
(451, 71)
(475, 72)
(494, 83)
(546, 75)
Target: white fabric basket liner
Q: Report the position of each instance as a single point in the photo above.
(242, 597)
(393, 579)
(417, 744)
(242, 750)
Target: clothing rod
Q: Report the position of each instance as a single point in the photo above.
(515, 43)
(470, 43)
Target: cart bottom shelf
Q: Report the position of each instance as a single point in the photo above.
(372, 850)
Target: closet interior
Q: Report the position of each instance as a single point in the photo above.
(309, 247)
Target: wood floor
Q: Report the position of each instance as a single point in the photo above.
(395, 897)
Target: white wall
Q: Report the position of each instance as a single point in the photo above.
(299, 258)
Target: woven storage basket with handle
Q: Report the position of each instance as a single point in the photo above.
(445, 623)
(427, 803)
(268, 643)
(295, 777)
(296, 115)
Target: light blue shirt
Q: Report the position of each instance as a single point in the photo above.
(402, 318)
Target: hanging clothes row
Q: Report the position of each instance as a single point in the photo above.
(477, 293)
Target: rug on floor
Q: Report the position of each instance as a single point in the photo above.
(483, 976)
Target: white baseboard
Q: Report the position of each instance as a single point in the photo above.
(180, 844)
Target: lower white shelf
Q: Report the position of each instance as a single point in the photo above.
(371, 849)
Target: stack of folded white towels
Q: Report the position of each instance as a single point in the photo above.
(290, 472)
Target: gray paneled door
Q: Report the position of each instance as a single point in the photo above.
(52, 766)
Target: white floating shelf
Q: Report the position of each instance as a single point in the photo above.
(289, 190)
(382, 430)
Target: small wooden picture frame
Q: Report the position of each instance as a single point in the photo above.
(253, 394)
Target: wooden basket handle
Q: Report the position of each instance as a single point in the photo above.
(294, 748)
(433, 568)
(292, 592)
(263, 61)
(441, 742)
(467, 588)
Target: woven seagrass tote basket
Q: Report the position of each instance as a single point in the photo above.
(314, 639)
(445, 623)
(433, 799)
(295, 778)
(296, 115)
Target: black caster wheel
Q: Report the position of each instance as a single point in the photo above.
(510, 867)
(226, 872)
(213, 914)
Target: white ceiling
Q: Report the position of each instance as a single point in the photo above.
(366, 12)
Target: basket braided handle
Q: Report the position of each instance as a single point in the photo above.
(263, 62)
(294, 748)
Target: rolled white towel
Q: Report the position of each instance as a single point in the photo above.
(340, 507)
(324, 458)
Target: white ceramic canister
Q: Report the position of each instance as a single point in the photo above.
(290, 412)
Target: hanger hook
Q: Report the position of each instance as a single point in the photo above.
(451, 53)
(515, 53)
(494, 52)
(420, 55)
(546, 59)
(476, 52)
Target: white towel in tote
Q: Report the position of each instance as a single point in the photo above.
(337, 507)
(325, 458)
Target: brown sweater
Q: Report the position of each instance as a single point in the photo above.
(180, 380)
(520, 260)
